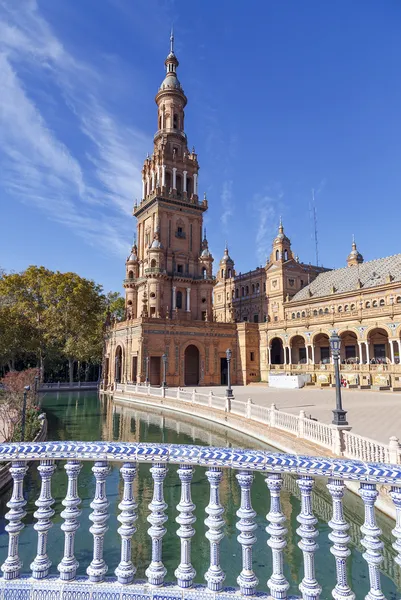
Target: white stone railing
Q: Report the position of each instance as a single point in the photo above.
(340, 441)
(65, 385)
(160, 458)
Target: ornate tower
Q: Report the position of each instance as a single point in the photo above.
(281, 251)
(173, 274)
(354, 257)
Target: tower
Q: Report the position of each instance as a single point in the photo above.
(173, 273)
(281, 251)
(354, 257)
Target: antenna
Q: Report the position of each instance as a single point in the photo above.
(315, 227)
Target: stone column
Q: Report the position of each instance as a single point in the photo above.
(174, 297)
(153, 180)
(163, 175)
(188, 299)
(313, 354)
(184, 183)
(269, 355)
(360, 352)
(174, 178)
(195, 184)
(391, 342)
(143, 188)
(289, 355)
(148, 184)
(158, 176)
(367, 351)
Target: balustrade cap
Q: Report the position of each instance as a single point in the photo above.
(256, 460)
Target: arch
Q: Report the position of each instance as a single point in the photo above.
(371, 328)
(189, 186)
(367, 304)
(322, 348)
(277, 254)
(374, 304)
(178, 184)
(382, 302)
(303, 314)
(168, 180)
(276, 351)
(153, 263)
(131, 275)
(229, 273)
(178, 299)
(298, 315)
(118, 364)
(379, 349)
(236, 292)
(398, 300)
(298, 349)
(191, 365)
(204, 273)
(285, 254)
(293, 316)
(247, 290)
(349, 351)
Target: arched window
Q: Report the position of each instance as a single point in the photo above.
(247, 290)
(346, 308)
(160, 122)
(367, 305)
(253, 288)
(242, 291)
(277, 254)
(189, 187)
(131, 275)
(320, 311)
(374, 304)
(340, 309)
(285, 254)
(326, 311)
(204, 273)
(298, 315)
(236, 292)
(175, 121)
(303, 313)
(398, 300)
(352, 306)
(222, 272)
(229, 272)
(232, 294)
(153, 263)
(257, 288)
(293, 316)
(381, 302)
(178, 302)
(315, 313)
(178, 185)
(168, 180)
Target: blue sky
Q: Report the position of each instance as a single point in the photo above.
(283, 97)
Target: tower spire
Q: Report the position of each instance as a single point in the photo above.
(172, 41)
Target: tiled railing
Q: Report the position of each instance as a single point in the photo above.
(183, 458)
(339, 441)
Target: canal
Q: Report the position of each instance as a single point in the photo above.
(83, 416)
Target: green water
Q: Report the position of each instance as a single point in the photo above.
(82, 416)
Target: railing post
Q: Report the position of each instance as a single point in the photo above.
(193, 399)
(371, 540)
(13, 564)
(185, 572)
(340, 538)
(42, 563)
(98, 568)
(227, 407)
(301, 424)
(215, 522)
(309, 585)
(156, 571)
(210, 401)
(125, 571)
(247, 579)
(163, 392)
(395, 493)
(148, 389)
(394, 450)
(273, 410)
(277, 583)
(178, 393)
(136, 387)
(249, 408)
(69, 564)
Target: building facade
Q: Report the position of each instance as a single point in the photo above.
(278, 317)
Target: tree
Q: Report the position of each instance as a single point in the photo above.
(115, 305)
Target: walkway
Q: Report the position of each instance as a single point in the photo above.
(376, 415)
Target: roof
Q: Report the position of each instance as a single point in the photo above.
(371, 274)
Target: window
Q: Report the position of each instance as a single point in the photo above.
(264, 287)
(153, 263)
(346, 307)
(175, 121)
(247, 290)
(203, 315)
(257, 288)
(153, 311)
(204, 273)
(285, 254)
(229, 272)
(245, 319)
(326, 311)
(276, 318)
(374, 304)
(222, 272)
(303, 314)
(398, 300)
(350, 352)
(256, 318)
(242, 291)
(302, 283)
(203, 300)
(352, 306)
(228, 295)
(315, 313)
(340, 309)
(236, 292)
(178, 302)
(131, 275)
(293, 316)
(367, 305)
(253, 288)
(252, 356)
(277, 254)
(180, 268)
(381, 302)
(152, 295)
(320, 311)
(298, 315)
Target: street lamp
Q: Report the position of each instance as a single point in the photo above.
(26, 390)
(36, 388)
(164, 359)
(229, 392)
(339, 415)
(147, 369)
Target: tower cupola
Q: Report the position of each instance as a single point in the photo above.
(354, 257)
(281, 246)
(206, 259)
(226, 270)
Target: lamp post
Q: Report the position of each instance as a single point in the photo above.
(229, 392)
(339, 415)
(147, 369)
(26, 390)
(36, 389)
(164, 359)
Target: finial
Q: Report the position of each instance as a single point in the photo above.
(172, 40)
(204, 196)
(204, 233)
(280, 227)
(353, 242)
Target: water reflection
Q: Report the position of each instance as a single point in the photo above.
(84, 417)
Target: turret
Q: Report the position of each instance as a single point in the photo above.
(354, 257)
(226, 266)
(131, 274)
(281, 251)
(206, 259)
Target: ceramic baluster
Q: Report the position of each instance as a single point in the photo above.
(371, 541)
(125, 571)
(98, 568)
(214, 575)
(42, 563)
(12, 566)
(247, 579)
(69, 564)
(340, 538)
(156, 571)
(309, 586)
(185, 572)
(277, 583)
(395, 494)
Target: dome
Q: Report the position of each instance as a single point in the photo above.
(156, 244)
(205, 253)
(281, 237)
(170, 82)
(226, 257)
(354, 256)
(133, 257)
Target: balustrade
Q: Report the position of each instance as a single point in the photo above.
(215, 461)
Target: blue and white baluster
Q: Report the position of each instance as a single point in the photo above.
(247, 579)
(98, 568)
(309, 586)
(277, 583)
(42, 563)
(69, 564)
(214, 575)
(156, 571)
(371, 541)
(12, 566)
(395, 494)
(125, 571)
(185, 572)
(340, 538)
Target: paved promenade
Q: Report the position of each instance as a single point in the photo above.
(376, 415)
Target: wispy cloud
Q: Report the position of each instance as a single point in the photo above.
(267, 206)
(91, 191)
(226, 203)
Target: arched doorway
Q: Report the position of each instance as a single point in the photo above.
(349, 352)
(322, 348)
(298, 350)
(277, 351)
(191, 372)
(118, 364)
(379, 352)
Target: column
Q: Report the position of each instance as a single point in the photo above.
(313, 354)
(163, 175)
(367, 346)
(269, 359)
(360, 352)
(158, 176)
(188, 299)
(143, 188)
(289, 355)
(391, 342)
(174, 297)
(153, 180)
(184, 183)
(285, 354)
(195, 184)
(174, 178)
(148, 184)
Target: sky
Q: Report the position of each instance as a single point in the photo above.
(283, 97)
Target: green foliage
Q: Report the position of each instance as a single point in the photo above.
(32, 426)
